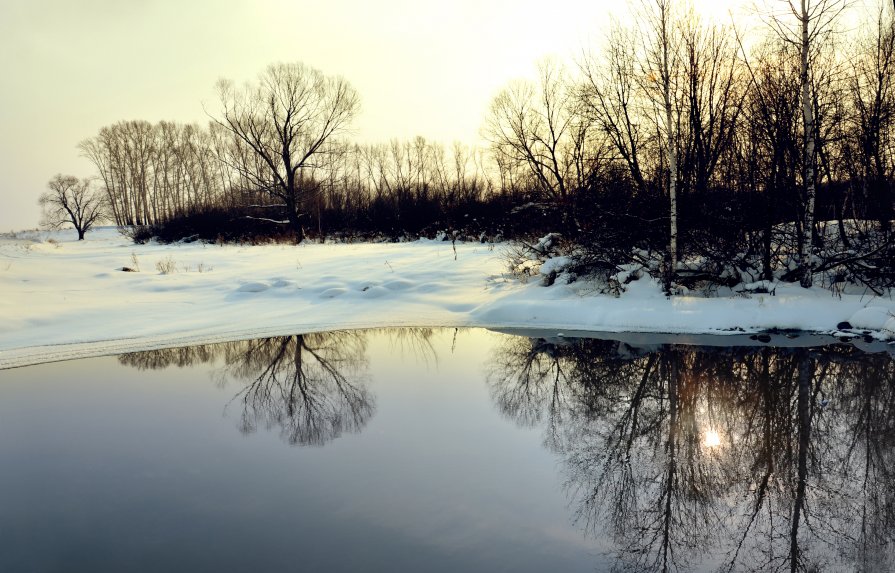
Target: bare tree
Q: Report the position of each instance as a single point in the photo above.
(283, 122)
(608, 97)
(531, 124)
(714, 95)
(872, 98)
(71, 200)
(662, 62)
(814, 21)
(150, 173)
(770, 144)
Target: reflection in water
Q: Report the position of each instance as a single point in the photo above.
(415, 342)
(681, 457)
(310, 386)
(731, 459)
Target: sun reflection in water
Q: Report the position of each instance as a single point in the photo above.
(712, 439)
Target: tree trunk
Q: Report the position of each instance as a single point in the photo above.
(767, 271)
(292, 207)
(295, 222)
(672, 153)
(806, 251)
(672, 190)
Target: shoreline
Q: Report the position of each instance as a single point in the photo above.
(62, 299)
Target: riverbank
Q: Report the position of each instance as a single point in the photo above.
(61, 298)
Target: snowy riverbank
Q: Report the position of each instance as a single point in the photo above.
(61, 298)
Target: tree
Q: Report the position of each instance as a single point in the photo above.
(537, 127)
(281, 126)
(661, 66)
(608, 97)
(814, 21)
(71, 200)
(151, 173)
(872, 97)
(714, 95)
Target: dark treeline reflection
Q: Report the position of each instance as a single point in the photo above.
(736, 459)
(313, 387)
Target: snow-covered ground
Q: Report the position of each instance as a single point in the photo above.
(61, 298)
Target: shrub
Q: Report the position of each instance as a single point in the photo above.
(166, 266)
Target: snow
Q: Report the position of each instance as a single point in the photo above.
(871, 318)
(253, 287)
(555, 265)
(62, 298)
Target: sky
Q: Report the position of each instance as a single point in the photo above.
(421, 67)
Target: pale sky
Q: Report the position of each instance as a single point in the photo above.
(430, 68)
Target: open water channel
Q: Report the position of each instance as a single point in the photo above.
(453, 450)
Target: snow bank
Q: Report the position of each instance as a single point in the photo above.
(66, 299)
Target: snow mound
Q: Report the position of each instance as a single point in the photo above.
(399, 284)
(333, 292)
(374, 291)
(873, 318)
(889, 328)
(253, 287)
(555, 264)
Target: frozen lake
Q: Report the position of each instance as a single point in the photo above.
(452, 450)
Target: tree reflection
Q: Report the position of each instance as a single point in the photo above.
(800, 480)
(310, 386)
(411, 341)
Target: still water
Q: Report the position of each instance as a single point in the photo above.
(445, 450)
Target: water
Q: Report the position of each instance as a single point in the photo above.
(451, 450)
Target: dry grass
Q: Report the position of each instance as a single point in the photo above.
(166, 266)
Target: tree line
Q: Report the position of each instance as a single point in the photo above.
(682, 149)
(168, 176)
(687, 151)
